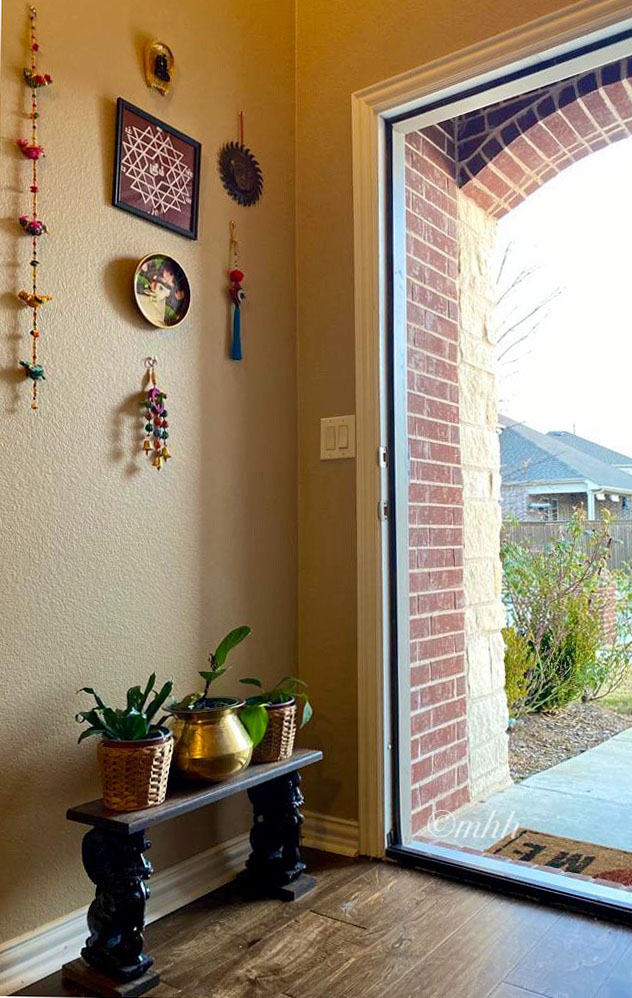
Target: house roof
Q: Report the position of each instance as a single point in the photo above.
(528, 457)
(605, 454)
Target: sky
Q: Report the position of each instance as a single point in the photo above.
(575, 371)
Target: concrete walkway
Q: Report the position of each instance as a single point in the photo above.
(587, 798)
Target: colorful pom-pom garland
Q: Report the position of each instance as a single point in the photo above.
(155, 415)
(31, 224)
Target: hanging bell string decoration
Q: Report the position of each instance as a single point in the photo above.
(154, 415)
(236, 293)
(31, 224)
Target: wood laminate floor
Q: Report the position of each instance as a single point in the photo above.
(375, 930)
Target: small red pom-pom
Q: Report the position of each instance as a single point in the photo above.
(237, 276)
(34, 188)
(35, 47)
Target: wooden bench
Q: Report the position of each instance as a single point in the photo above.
(112, 962)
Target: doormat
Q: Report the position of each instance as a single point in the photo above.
(566, 855)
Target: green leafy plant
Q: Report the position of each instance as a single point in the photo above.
(552, 596)
(612, 667)
(519, 666)
(254, 716)
(217, 668)
(131, 723)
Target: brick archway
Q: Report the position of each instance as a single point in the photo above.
(462, 176)
(506, 151)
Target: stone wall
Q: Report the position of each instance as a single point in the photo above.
(480, 460)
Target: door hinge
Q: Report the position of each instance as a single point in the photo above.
(383, 509)
(382, 457)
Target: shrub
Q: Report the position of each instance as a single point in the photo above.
(519, 664)
(551, 599)
(567, 660)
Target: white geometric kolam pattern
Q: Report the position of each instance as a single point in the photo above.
(156, 169)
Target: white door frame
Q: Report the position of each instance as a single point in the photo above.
(524, 46)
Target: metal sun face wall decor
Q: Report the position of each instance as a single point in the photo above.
(31, 224)
(240, 172)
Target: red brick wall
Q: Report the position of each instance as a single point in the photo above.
(509, 149)
(437, 661)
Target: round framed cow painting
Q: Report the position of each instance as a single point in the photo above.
(162, 291)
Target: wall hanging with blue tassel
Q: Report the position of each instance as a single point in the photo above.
(237, 295)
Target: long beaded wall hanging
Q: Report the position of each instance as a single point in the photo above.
(155, 416)
(32, 224)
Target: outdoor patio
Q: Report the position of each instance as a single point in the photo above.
(586, 798)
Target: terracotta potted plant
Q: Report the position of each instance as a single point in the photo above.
(211, 742)
(270, 717)
(134, 752)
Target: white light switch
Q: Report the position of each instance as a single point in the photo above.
(337, 437)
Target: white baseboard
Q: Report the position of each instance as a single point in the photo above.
(42, 951)
(36, 954)
(338, 835)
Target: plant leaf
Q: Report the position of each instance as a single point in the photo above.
(88, 689)
(255, 720)
(232, 639)
(307, 713)
(210, 674)
(91, 716)
(151, 682)
(252, 682)
(159, 699)
(134, 696)
(112, 719)
(88, 732)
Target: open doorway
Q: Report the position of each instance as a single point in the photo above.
(509, 643)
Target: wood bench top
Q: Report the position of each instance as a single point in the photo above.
(188, 798)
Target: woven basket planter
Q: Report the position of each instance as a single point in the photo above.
(134, 774)
(278, 741)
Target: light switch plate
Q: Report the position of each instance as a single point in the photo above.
(337, 437)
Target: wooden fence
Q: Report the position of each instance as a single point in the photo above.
(537, 535)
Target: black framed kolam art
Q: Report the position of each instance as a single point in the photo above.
(156, 171)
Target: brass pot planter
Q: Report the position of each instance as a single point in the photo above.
(212, 743)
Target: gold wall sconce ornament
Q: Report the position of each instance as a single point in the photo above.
(159, 66)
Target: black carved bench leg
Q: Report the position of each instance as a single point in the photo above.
(113, 959)
(274, 867)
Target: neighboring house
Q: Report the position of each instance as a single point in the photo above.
(544, 476)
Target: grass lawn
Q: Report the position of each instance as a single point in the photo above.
(621, 699)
